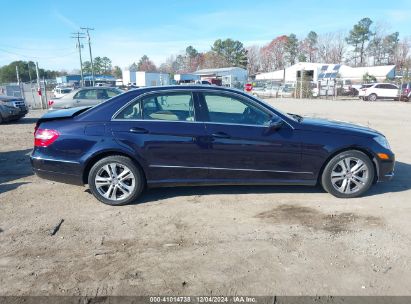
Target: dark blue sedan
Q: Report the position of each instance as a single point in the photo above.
(203, 135)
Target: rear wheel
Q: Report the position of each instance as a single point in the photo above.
(348, 174)
(116, 180)
(1, 119)
(372, 97)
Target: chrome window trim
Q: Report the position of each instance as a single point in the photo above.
(229, 169)
(192, 91)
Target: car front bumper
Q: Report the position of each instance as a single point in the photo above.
(386, 169)
(11, 113)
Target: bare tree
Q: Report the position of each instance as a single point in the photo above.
(402, 58)
(273, 54)
(253, 56)
(332, 47)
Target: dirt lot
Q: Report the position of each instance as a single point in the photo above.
(214, 240)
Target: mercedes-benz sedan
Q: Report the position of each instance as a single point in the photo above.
(203, 135)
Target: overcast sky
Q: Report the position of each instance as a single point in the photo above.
(126, 30)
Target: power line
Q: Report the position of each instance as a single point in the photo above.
(79, 36)
(32, 49)
(35, 57)
(87, 29)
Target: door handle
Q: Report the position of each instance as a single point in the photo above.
(220, 135)
(138, 130)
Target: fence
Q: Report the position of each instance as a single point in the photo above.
(29, 92)
(325, 89)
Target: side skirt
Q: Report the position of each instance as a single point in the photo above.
(227, 182)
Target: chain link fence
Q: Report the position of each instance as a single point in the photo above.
(29, 92)
(306, 89)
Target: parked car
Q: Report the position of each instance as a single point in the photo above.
(381, 91)
(12, 108)
(60, 92)
(203, 135)
(89, 96)
(286, 90)
(363, 89)
(266, 89)
(406, 91)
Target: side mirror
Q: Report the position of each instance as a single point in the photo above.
(275, 124)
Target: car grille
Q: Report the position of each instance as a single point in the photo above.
(19, 104)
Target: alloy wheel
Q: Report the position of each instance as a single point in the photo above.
(349, 175)
(115, 181)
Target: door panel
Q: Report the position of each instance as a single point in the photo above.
(243, 147)
(170, 150)
(252, 152)
(162, 130)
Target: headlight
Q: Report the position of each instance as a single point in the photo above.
(382, 141)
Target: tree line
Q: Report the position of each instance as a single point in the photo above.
(367, 43)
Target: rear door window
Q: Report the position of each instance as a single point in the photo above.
(167, 106)
(86, 94)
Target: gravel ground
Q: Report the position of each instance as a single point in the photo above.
(212, 240)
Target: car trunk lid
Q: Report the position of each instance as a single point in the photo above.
(61, 114)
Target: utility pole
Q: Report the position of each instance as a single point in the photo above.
(87, 29)
(17, 75)
(19, 82)
(79, 36)
(302, 80)
(31, 85)
(39, 86)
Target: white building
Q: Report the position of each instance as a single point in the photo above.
(230, 77)
(144, 79)
(186, 78)
(318, 71)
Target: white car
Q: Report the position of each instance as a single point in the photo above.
(60, 92)
(266, 92)
(362, 89)
(381, 91)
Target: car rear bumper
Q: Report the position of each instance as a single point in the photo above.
(62, 171)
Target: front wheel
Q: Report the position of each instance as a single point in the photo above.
(116, 180)
(348, 174)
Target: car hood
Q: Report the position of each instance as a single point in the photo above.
(325, 125)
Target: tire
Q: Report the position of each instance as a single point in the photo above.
(1, 119)
(372, 97)
(112, 189)
(337, 182)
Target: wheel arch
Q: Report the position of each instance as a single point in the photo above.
(102, 154)
(350, 148)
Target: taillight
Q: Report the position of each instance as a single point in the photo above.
(45, 137)
(51, 102)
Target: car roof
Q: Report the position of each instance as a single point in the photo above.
(188, 87)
